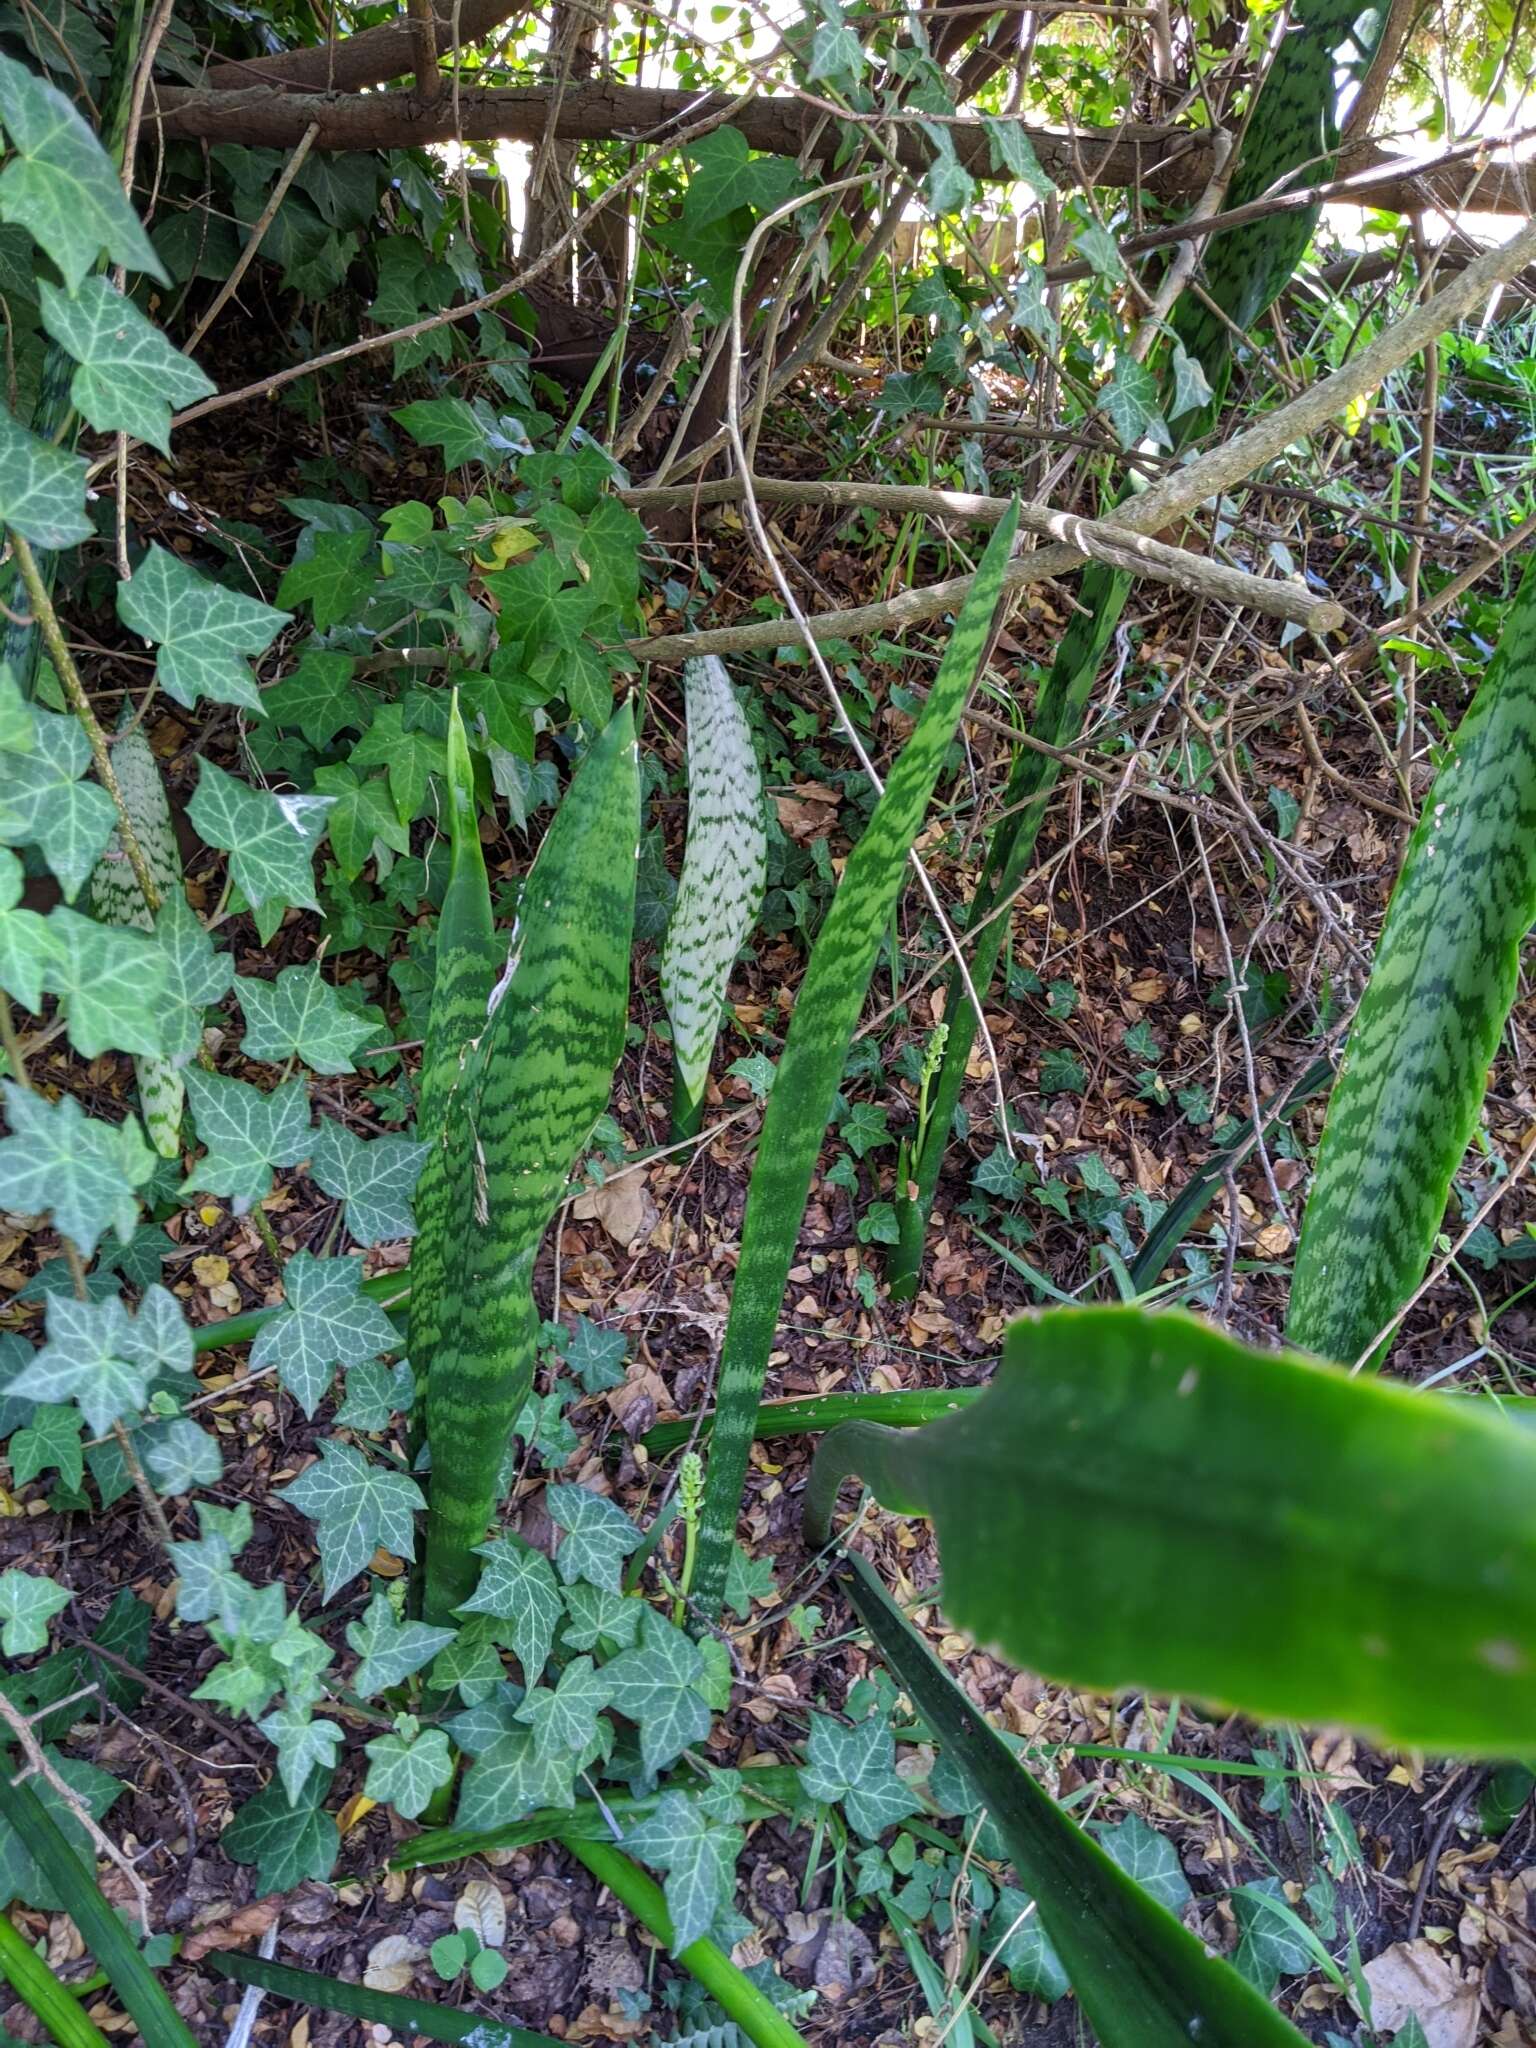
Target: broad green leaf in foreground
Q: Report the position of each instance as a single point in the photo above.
(725, 869)
(517, 1585)
(300, 1015)
(391, 1649)
(356, 1508)
(1446, 969)
(204, 632)
(61, 185)
(270, 840)
(247, 1133)
(129, 376)
(657, 1686)
(325, 1323)
(1256, 1531)
(698, 1855)
(79, 1169)
(826, 1011)
(1142, 1979)
(374, 1177)
(407, 1766)
(110, 982)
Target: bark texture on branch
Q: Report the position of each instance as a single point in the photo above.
(1164, 162)
(372, 57)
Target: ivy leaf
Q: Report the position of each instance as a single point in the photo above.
(836, 52)
(391, 1649)
(203, 631)
(159, 1339)
(88, 1358)
(375, 1177)
(596, 1355)
(1269, 1946)
(300, 1015)
(287, 1840)
(1024, 1948)
(600, 1619)
(184, 1457)
(1099, 250)
(50, 1441)
(110, 981)
(357, 1508)
(42, 488)
(1191, 388)
(598, 1537)
(517, 1585)
(61, 185)
(319, 698)
(25, 951)
(699, 1858)
(363, 820)
(465, 431)
(1013, 151)
(857, 1766)
(129, 376)
(246, 1133)
(336, 577)
(538, 608)
(208, 1586)
(471, 1664)
(948, 184)
(197, 975)
(410, 758)
(656, 1686)
(326, 1322)
(510, 1779)
(747, 1579)
(28, 1601)
(44, 803)
(564, 1720)
(270, 839)
(407, 1766)
(375, 1394)
(1130, 401)
(725, 175)
(1150, 1858)
(303, 1744)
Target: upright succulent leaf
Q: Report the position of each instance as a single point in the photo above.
(1293, 129)
(117, 899)
(801, 1103)
(725, 870)
(534, 1084)
(1259, 1532)
(1412, 1078)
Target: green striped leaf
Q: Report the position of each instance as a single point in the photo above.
(1142, 1979)
(1412, 1079)
(116, 899)
(825, 1014)
(725, 870)
(533, 1085)
(1138, 1500)
(1291, 132)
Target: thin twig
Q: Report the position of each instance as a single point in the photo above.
(38, 1765)
(254, 240)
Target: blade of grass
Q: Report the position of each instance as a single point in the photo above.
(313, 1992)
(54, 2007)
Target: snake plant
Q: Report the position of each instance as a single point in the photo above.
(530, 1087)
(825, 1014)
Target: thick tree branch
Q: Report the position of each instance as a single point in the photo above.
(371, 58)
(1166, 163)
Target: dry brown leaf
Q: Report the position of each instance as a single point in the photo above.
(624, 1206)
(392, 1963)
(238, 1931)
(481, 1908)
(1413, 1980)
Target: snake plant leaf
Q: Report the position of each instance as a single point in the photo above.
(117, 900)
(725, 870)
(1292, 129)
(532, 1088)
(404, 2017)
(1411, 1082)
(1138, 1500)
(1142, 1979)
(825, 1014)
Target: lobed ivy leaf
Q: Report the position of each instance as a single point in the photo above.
(598, 1535)
(335, 577)
(303, 1744)
(319, 699)
(1130, 401)
(407, 1766)
(270, 840)
(465, 430)
(28, 1602)
(1149, 1857)
(25, 951)
(657, 1687)
(198, 974)
(747, 1579)
(409, 757)
(595, 1355)
(287, 1840)
(246, 1134)
(698, 1856)
(43, 801)
(375, 1177)
(129, 376)
(300, 1015)
(564, 1718)
(375, 1394)
(510, 1779)
(204, 632)
(857, 1766)
(724, 174)
(49, 1442)
(1024, 1948)
(357, 1508)
(184, 1457)
(42, 488)
(1013, 151)
(362, 825)
(325, 1322)
(538, 608)
(110, 982)
(61, 186)
(390, 1649)
(471, 1664)
(517, 1585)
(600, 1619)
(89, 1358)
